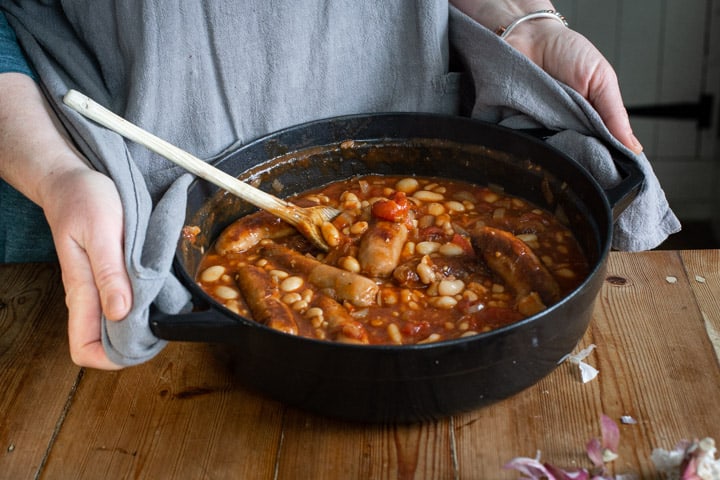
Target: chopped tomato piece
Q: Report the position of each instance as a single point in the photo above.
(394, 209)
(464, 243)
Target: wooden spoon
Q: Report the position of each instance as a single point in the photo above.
(307, 221)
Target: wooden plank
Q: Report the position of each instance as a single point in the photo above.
(656, 364)
(703, 275)
(36, 373)
(180, 415)
(654, 348)
(334, 449)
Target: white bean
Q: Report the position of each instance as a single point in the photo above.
(394, 333)
(358, 228)
(427, 196)
(435, 209)
(212, 274)
(349, 263)
(279, 274)
(442, 220)
(300, 305)
(330, 234)
(290, 284)
(464, 196)
(389, 297)
(307, 295)
(350, 201)
(407, 185)
(451, 287)
(490, 197)
(314, 312)
(290, 298)
(444, 302)
(434, 337)
(455, 206)
(226, 293)
(425, 272)
(451, 249)
(426, 248)
(565, 273)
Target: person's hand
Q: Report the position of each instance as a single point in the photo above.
(571, 58)
(85, 215)
(82, 207)
(561, 52)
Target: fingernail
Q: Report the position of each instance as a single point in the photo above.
(116, 306)
(636, 145)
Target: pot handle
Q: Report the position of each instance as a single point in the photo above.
(619, 196)
(622, 195)
(209, 325)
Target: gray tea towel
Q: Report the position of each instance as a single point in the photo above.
(209, 76)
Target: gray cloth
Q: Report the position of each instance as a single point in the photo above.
(514, 92)
(213, 75)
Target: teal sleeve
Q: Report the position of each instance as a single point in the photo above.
(24, 233)
(11, 56)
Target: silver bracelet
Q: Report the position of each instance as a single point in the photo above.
(504, 32)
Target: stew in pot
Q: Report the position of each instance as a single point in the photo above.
(412, 260)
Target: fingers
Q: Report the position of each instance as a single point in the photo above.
(604, 95)
(87, 223)
(84, 310)
(571, 58)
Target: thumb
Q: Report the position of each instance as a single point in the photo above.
(110, 276)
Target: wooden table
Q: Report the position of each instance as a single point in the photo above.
(181, 415)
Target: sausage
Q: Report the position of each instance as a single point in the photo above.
(260, 295)
(337, 283)
(463, 267)
(341, 325)
(516, 264)
(247, 232)
(380, 248)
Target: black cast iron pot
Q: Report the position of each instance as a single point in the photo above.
(413, 382)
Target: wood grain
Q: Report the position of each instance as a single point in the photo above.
(182, 415)
(179, 416)
(703, 273)
(653, 356)
(37, 377)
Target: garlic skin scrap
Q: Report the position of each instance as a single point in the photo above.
(691, 460)
(587, 372)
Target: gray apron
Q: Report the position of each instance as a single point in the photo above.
(209, 76)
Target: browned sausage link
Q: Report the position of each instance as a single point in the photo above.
(339, 284)
(461, 267)
(341, 325)
(247, 232)
(380, 248)
(516, 264)
(260, 295)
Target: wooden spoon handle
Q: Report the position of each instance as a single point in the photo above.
(91, 109)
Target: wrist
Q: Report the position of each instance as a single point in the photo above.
(523, 20)
(65, 170)
(498, 14)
